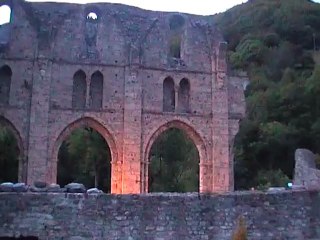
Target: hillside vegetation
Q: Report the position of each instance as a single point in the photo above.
(277, 43)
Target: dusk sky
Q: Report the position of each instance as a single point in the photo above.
(202, 7)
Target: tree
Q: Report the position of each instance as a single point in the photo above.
(248, 51)
(9, 156)
(272, 40)
(85, 157)
(174, 165)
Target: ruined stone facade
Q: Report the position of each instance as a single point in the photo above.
(130, 74)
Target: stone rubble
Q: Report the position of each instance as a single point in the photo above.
(305, 173)
(42, 187)
(75, 188)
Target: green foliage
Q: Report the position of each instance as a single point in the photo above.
(174, 163)
(9, 156)
(318, 161)
(273, 41)
(271, 178)
(248, 51)
(241, 230)
(294, 21)
(85, 157)
(313, 83)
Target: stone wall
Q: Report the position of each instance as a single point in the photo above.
(282, 215)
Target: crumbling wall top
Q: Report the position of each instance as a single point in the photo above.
(108, 33)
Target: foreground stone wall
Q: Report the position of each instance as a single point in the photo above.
(280, 215)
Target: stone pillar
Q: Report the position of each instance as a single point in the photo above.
(205, 181)
(38, 136)
(132, 132)
(222, 173)
(176, 98)
(88, 98)
(116, 175)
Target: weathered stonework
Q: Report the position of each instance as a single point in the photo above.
(305, 172)
(70, 70)
(281, 215)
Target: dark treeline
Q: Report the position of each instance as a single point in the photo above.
(277, 43)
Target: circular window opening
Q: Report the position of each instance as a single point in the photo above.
(5, 12)
(92, 16)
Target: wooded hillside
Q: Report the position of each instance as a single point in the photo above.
(277, 43)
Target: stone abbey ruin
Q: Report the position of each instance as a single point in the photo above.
(130, 74)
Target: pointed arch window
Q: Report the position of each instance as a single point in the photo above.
(168, 95)
(5, 84)
(176, 24)
(184, 96)
(79, 90)
(96, 90)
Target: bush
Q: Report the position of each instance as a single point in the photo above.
(318, 161)
(248, 51)
(241, 230)
(271, 40)
(271, 178)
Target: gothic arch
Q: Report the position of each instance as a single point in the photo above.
(5, 84)
(184, 96)
(96, 90)
(79, 92)
(83, 122)
(22, 164)
(168, 100)
(176, 25)
(188, 130)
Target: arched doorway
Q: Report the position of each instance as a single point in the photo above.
(173, 157)
(85, 152)
(84, 157)
(11, 153)
(174, 163)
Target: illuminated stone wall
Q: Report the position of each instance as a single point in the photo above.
(282, 215)
(129, 50)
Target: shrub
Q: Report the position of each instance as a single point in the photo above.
(241, 230)
(269, 178)
(271, 40)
